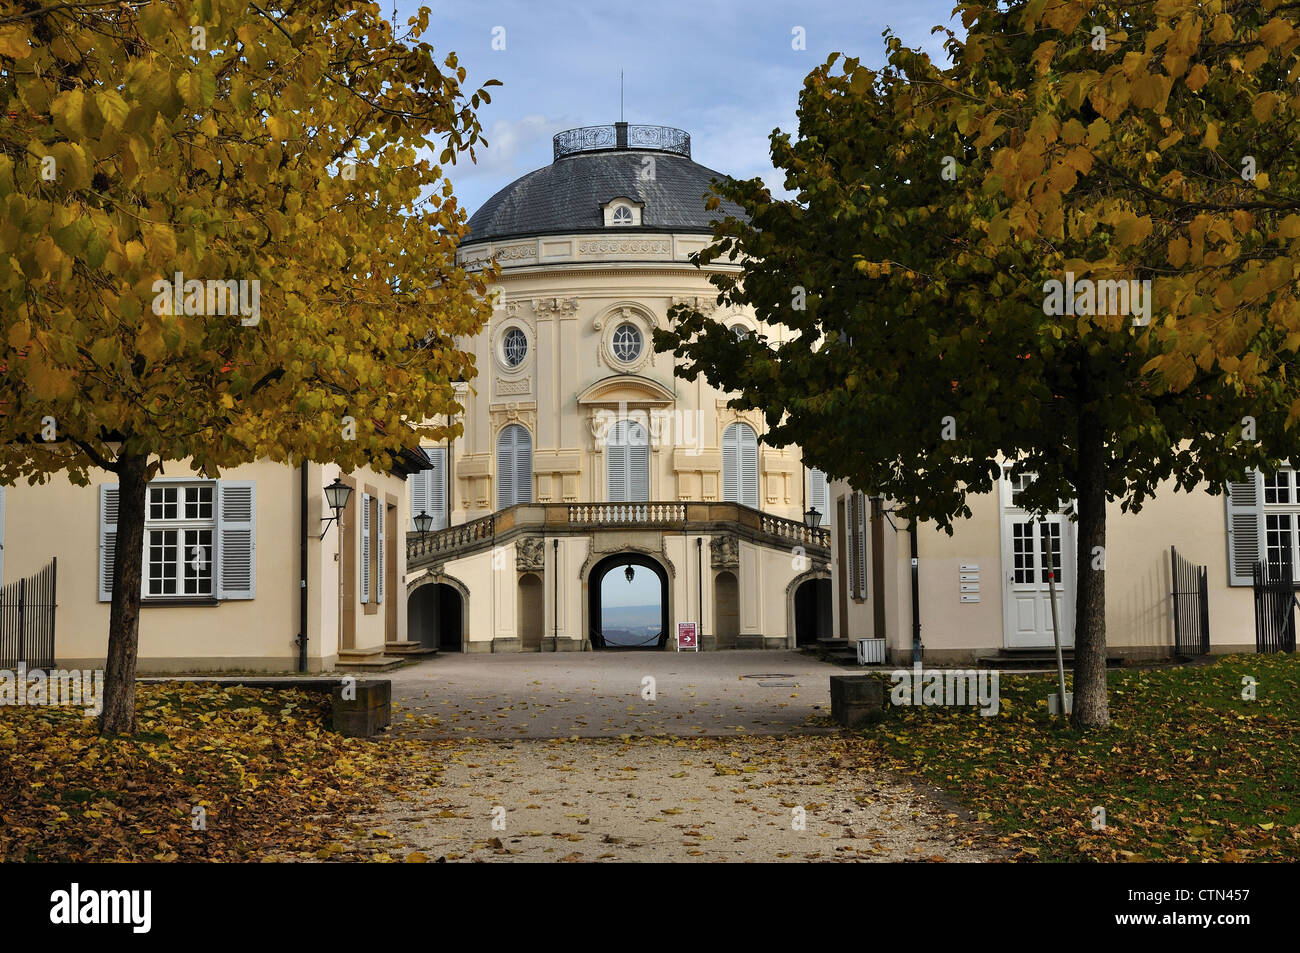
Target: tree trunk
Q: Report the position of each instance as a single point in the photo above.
(118, 716)
(1090, 706)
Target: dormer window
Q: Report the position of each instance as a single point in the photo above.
(622, 212)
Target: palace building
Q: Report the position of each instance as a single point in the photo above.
(582, 455)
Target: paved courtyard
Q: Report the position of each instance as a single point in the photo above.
(545, 757)
(607, 694)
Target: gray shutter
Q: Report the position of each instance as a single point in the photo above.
(438, 486)
(748, 466)
(379, 553)
(523, 465)
(428, 489)
(861, 530)
(365, 547)
(108, 495)
(236, 568)
(638, 464)
(1244, 504)
(506, 468)
(851, 542)
(817, 493)
(730, 464)
(616, 461)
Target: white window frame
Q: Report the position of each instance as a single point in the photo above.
(1283, 481)
(190, 557)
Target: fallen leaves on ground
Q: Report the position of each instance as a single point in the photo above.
(261, 765)
(1188, 770)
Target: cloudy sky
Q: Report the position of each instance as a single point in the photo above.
(723, 70)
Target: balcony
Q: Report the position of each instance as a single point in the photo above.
(574, 519)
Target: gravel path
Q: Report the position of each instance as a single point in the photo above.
(657, 799)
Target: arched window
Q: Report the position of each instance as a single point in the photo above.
(740, 465)
(622, 215)
(627, 463)
(514, 467)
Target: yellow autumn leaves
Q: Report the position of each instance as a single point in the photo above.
(205, 139)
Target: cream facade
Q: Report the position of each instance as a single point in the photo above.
(225, 580)
(983, 592)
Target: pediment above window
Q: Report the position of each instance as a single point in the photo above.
(626, 389)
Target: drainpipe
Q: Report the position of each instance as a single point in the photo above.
(917, 648)
(302, 564)
(555, 590)
(699, 564)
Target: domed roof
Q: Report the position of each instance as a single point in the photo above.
(595, 165)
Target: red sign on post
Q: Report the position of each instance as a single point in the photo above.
(686, 637)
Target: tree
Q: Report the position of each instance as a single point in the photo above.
(933, 208)
(222, 241)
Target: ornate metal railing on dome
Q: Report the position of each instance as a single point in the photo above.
(622, 135)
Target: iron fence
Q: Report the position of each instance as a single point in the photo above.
(27, 620)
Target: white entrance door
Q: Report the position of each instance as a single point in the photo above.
(1031, 546)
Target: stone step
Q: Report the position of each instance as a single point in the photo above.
(408, 648)
(1037, 659)
(361, 653)
(370, 663)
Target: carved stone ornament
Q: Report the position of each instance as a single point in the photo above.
(530, 554)
(724, 552)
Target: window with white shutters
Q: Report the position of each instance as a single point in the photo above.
(1263, 523)
(627, 463)
(428, 489)
(365, 547)
(199, 540)
(1245, 509)
(740, 465)
(514, 466)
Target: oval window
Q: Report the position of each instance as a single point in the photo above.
(627, 342)
(514, 347)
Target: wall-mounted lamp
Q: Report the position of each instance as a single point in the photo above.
(337, 495)
(813, 518)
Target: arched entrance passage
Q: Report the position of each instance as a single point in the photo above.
(812, 611)
(435, 617)
(726, 609)
(532, 612)
(630, 630)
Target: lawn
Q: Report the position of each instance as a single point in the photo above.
(269, 777)
(1187, 771)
